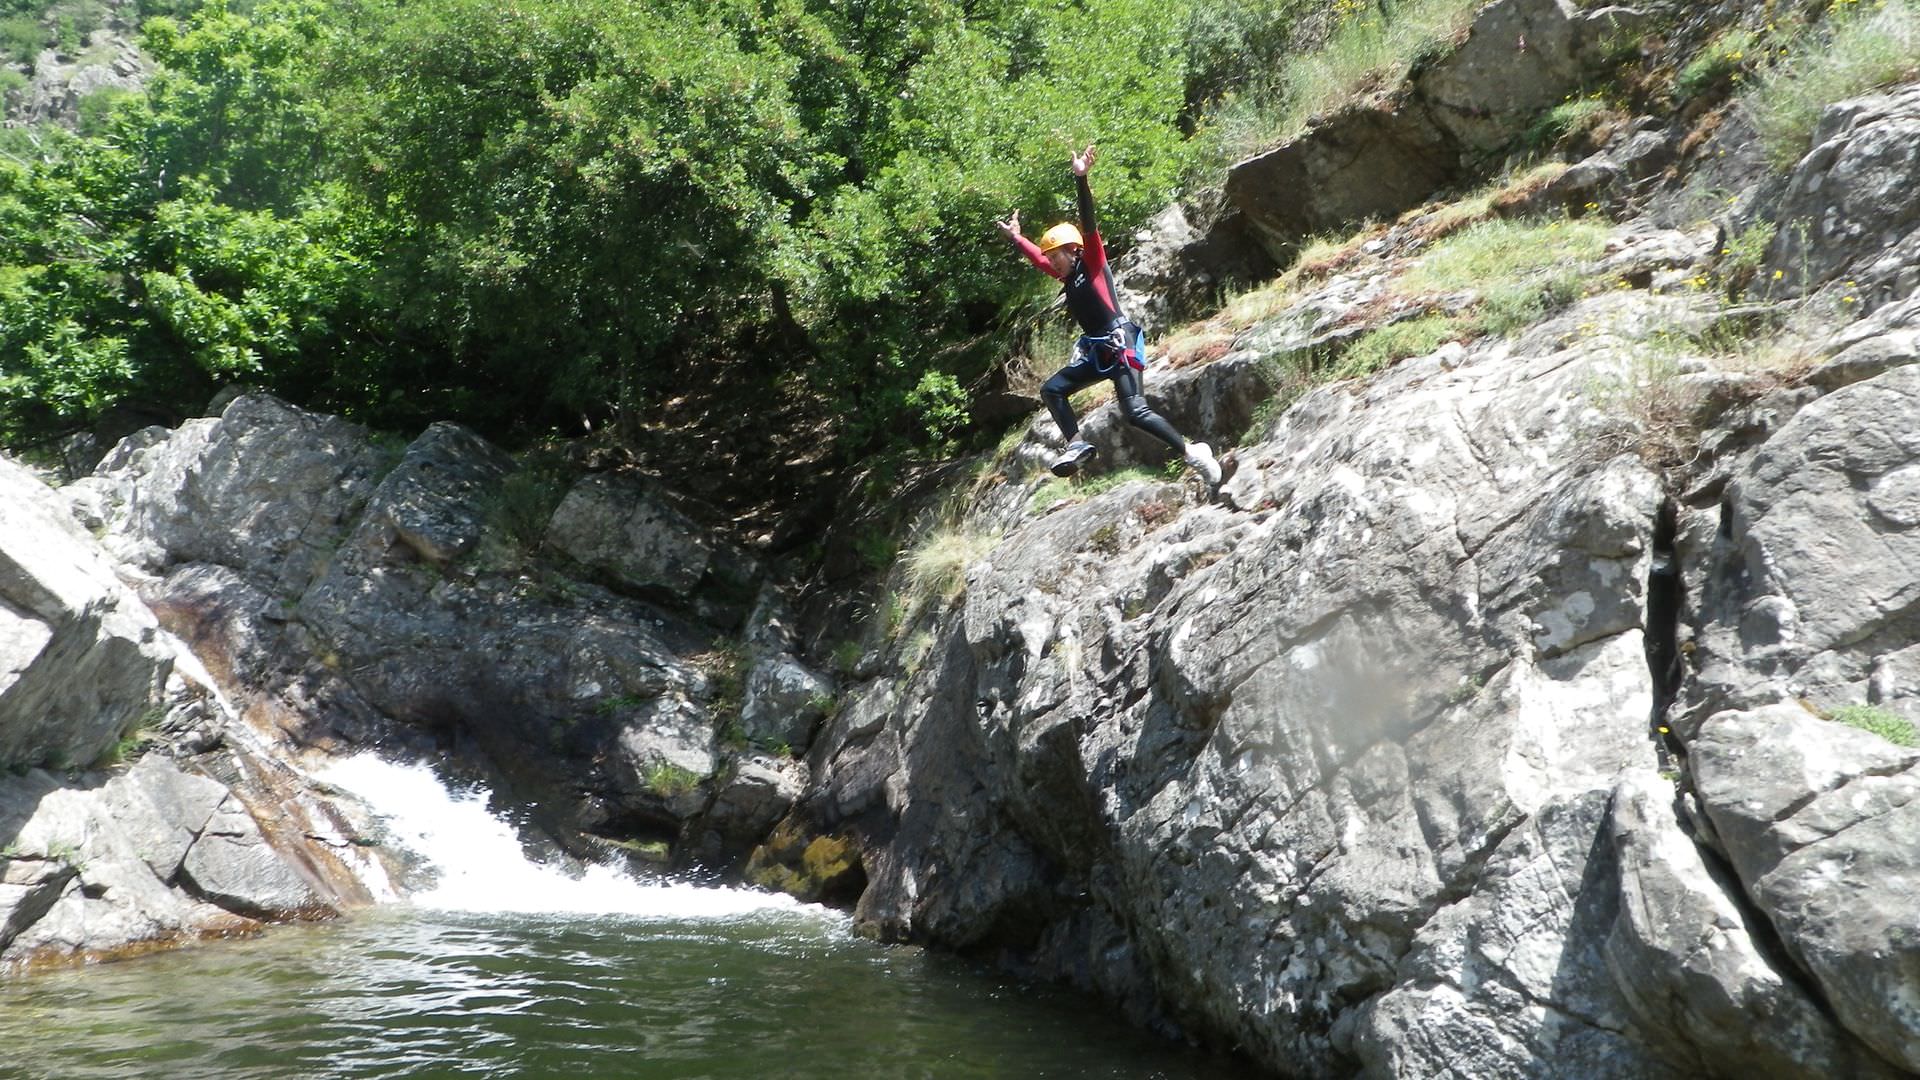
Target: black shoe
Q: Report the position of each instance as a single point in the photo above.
(1069, 460)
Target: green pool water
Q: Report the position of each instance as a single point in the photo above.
(412, 992)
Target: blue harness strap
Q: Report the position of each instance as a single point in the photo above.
(1124, 335)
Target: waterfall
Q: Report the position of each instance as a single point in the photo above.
(481, 866)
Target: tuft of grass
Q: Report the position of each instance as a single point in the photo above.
(846, 656)
(894, 612)
(828, 705)
(1083, 487)
(125, 749)
(725, 666)
(1518, 270)
(667, 780)
(937, 565)
(1049, 345)
(877, 549)
(1398, 341)
(1503, 251)
(1882, 721)
(1323, 256)
(1861, 47)
(1515, 305)
(66, 852)
(1285, 383)
(1659, 404)
(1366, 51)
(1522, 189)
(1091, 486)
(22, 37)
(1743, 253)
(1048, 495)
(1572, 118)
(520, 510)
(914, 656)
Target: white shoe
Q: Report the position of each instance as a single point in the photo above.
(1069, 460)
(1200, 456)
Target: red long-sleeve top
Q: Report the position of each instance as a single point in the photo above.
(1091, 297)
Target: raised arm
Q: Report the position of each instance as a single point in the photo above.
(1094, 249)
(1082, 162)
(1010, 227)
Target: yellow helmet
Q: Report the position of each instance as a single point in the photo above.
(1059, 236)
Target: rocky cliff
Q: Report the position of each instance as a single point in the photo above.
(208, 832)
(1534, 699)
(1490, 723)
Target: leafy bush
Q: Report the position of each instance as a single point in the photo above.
(96, 107)
(22, 37)
(525, 217)
(74, 21)
(1232, 44)
(171, 256)
(667, 780)
(941, 404)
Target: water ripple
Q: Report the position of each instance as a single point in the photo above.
(427, 994)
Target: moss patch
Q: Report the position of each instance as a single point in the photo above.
(811, 867)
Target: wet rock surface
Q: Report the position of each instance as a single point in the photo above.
(98, 861)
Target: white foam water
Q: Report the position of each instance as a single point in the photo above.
(482, 867)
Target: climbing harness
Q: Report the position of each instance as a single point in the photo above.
(1126, 334)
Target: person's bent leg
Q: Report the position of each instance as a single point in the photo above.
(1062, 385)
(1133, 406)
(1055, 392)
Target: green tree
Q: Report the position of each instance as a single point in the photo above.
(191, 244)
(516, 215)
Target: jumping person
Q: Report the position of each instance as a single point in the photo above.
(1111, 346)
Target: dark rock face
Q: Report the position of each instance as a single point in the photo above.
(1180, 265)
(621, 528)
(341, 587)
(1367, 162)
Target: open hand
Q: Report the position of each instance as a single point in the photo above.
(1010, 226)
(1083, 161)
